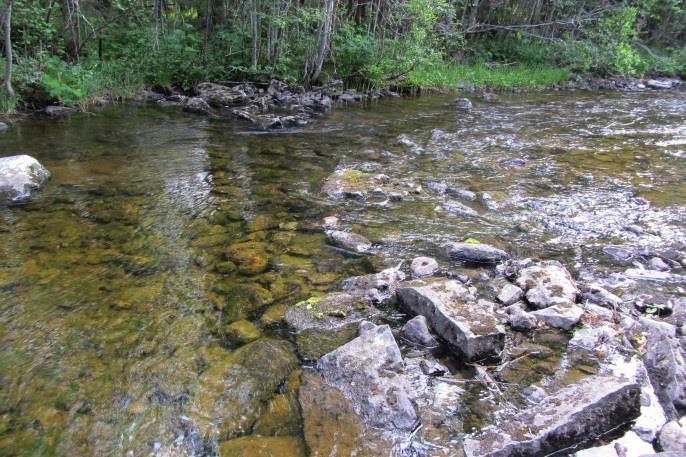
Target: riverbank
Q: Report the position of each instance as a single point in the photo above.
(276, 104)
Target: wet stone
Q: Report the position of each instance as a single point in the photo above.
(251, 257)
(476, 253)
(575, 415)
(455, 315)
(547, 284)
(423, 266)
(3, 127)
(281, 417)
(196, 105)
(463, 104)
(355, 184)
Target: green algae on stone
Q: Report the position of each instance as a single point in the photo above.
(251, 257)
(273, 315)
(241, 332)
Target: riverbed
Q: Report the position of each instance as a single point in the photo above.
(159, 229)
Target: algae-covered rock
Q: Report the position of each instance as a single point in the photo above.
(258, 446)
(378, 288)
(239, 299)
(231, 394)
(251, 257)
(281, 417)
(241, 332)
(274, 315)
(355, 184)
(324, 323)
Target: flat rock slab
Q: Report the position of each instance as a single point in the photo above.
(324, 323)
(547, 284)
(476, 253)
(455, 315)
(560, 316)
(20, 177)
(575, 415)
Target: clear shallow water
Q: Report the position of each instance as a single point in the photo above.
(158, 229)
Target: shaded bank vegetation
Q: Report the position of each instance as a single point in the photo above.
(73, 52)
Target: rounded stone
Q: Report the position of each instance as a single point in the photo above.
(423, 266)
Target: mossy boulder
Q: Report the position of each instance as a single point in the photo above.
(281, 417)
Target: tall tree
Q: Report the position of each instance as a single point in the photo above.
(7, 29)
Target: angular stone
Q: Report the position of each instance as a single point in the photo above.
(575, 415)
(462, 194)
(281, 417)
(416, 331)
(560, 316)
(350, 241)
(325, 323)
(510, 294)
(453, 312)
(659, 84)
(423, 266)
(219, 96)
(547, 284)
(598, 295)
(196, 105)
(355, 184)
(475, 253)
(242, 332)
(519, 319)
(368, 370)
(378, 288)
(20, 177)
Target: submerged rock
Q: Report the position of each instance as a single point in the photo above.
(547, 284)
(456, 316)
(463, 104)
(3, 127)
(260, 446)
(574, 416)
(325, 323)
(423, 266)
(20, 177)
(232, 392)
(350, 241)
(57, 111)
(355, 184)
(475, 253)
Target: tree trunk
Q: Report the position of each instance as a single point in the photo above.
(253, 32)
(324, 35)
(6, 29)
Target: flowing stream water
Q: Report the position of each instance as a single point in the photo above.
(158, 229)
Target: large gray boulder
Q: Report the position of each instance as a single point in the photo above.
(560, 316)
(547, 284)
(456, 316)
(673, 437)
(574, 416)
(475, 253)
(369, 371)
(666, 366)
(20, 177)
